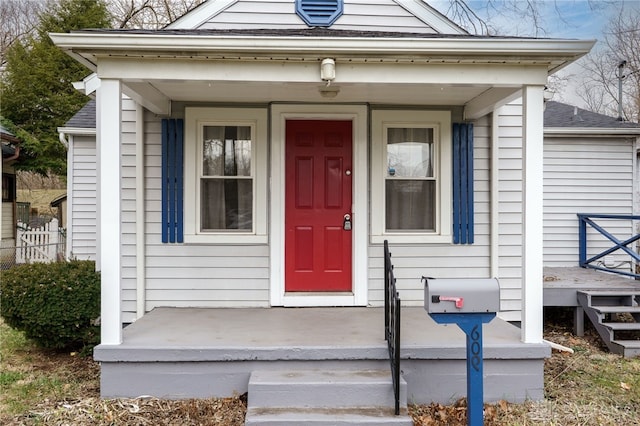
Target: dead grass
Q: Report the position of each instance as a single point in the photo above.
(40, 199)
(589, 387)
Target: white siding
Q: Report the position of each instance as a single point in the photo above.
(376, 15)
(238, 275)
(510, 210)
(585, 175)
(8, 222)
(180, 274)
(83, 206)
(413, 261)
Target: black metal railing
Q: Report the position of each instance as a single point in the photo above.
(597, 261)
(392, 323)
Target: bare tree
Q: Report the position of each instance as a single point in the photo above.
(19, 18)
(617, 58)
(148, 14)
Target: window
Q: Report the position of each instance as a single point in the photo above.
(226, 181)
(225, 198)
(8, 187)
(412, 167)
(410, 184)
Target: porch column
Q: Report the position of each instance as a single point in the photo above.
(108, 116)
(532, 135)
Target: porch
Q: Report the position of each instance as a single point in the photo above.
(197, 352)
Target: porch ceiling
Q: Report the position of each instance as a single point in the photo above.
(164, 66)
(221, 91)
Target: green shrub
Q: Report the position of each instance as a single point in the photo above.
(55, 304)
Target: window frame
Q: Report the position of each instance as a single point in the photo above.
(440, 121)
(9, 188)
(196, 118)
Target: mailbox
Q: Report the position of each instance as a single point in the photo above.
(461, 295)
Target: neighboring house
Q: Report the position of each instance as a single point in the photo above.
(60, 204)
(79, 136)
(591, 166)
(10, 154)
(385, 120)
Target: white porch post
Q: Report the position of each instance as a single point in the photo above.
(532, 129)
(108, 151)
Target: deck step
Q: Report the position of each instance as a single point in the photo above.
(622, 326)
(598, 304)
(617, 309)
(611, 292)
(628, 348)
(319, 397)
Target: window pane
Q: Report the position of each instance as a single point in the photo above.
(410, 152)
(410, 205)
(226, 204)
(226, 151)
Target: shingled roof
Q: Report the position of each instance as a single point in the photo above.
(557, 114)
(85, 118)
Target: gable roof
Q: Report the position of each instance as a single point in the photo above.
(400, 15)
(85, 118)
(560, 115)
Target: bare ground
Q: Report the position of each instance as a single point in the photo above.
(588, 387)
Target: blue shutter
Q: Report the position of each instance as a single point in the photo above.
(463, 183)
(172, 181)
(319, 13)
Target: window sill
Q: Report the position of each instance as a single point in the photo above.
(225, 239)
(412, 239)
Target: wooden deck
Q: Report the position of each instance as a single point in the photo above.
(561, 285)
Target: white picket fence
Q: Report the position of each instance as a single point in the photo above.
(39, 244)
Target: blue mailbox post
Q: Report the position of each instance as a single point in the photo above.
(469, 303)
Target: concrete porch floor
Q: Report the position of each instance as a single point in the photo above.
(192, 352)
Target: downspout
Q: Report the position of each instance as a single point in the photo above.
(62, 136)
(495, 204)
(141, 290)
(14, 156)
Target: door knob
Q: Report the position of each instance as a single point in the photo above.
(346, 225)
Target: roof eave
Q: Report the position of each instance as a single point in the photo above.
(77, 130)
(592, 131)
(557, 53)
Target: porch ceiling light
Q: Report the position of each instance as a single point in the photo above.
(328, 70)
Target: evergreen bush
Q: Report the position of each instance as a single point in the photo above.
(56, 304)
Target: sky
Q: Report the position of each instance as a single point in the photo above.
(564, 19)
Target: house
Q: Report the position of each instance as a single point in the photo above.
(591, 165)
(592, 219)
(60, 204)
(79, 136)
(10, 154)
(256, 155)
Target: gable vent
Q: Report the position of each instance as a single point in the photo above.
(319, 13)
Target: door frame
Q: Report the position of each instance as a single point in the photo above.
(280, 113)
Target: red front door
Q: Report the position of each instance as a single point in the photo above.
(318, 196)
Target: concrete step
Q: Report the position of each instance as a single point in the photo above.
(316, 388)
(325, 397)
(327, 417)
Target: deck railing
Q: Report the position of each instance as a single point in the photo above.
(392, 323)
(597, 261)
